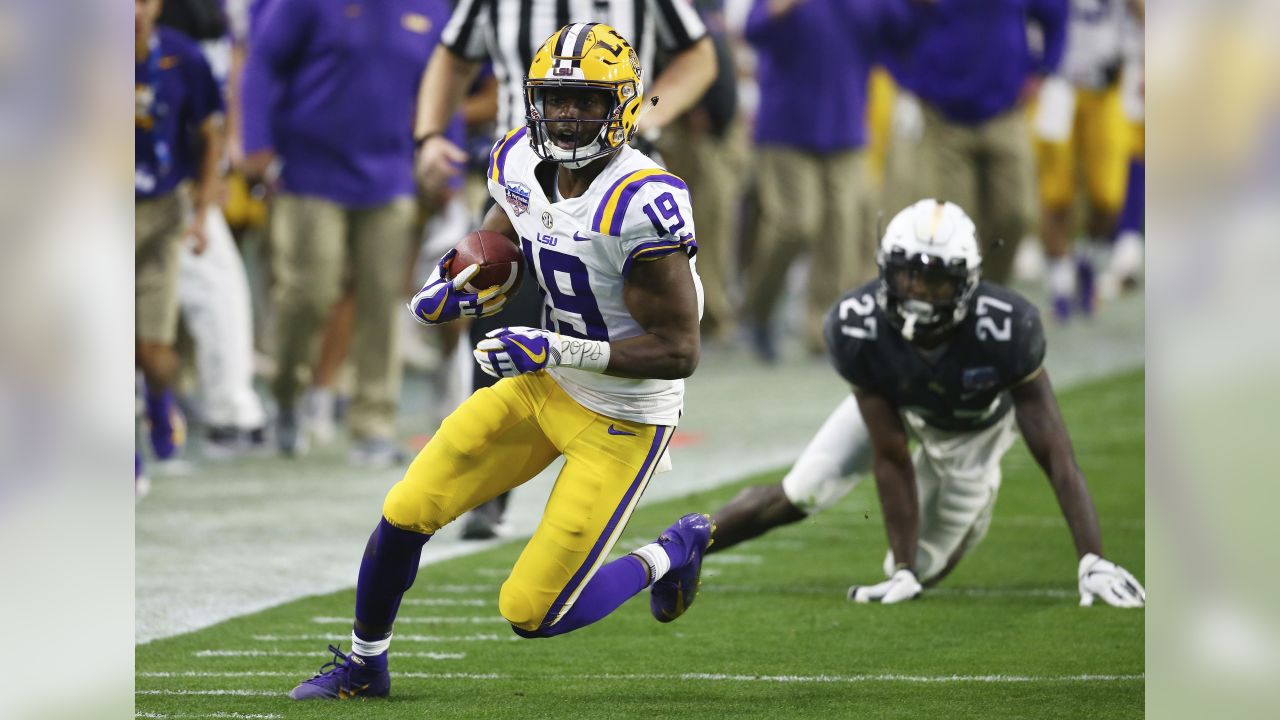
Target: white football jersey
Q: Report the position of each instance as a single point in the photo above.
(1095, 37)
(581, 250)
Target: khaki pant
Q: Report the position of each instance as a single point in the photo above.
(158, 227)
(989, 170)
(319, 245)
(712, 168)
(808, 202)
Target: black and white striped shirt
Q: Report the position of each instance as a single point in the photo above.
(510, 31)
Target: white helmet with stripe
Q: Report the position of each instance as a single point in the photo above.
(930, 267)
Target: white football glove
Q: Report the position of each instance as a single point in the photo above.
(902, 585)
(1104, 579)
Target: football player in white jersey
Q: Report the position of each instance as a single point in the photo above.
(608, 237)
(936, 355)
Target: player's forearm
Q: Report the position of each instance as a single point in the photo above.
(681, 84)
(896, 485)
(444, 83)
(671, 357)
(1078, 510)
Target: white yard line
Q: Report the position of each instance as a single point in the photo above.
(346, 637)
(693, 677)
(299, 653)
(422, 619)
(232, 715)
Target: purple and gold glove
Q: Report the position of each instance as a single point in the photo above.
(511, 351)
(443, 300)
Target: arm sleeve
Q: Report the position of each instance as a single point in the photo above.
(277, 37)
(465, 33)
(658, 223)
(677, 23)
(1051, 16)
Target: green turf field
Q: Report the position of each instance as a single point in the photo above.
(772, 635)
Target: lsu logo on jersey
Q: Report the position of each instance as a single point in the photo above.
(518, 197)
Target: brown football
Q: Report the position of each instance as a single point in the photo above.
(499, 259)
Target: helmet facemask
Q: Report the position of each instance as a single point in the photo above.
(925, 295)
(560, 137)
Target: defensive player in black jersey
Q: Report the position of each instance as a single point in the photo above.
(935, 354)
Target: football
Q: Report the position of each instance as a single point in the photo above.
(499, 260)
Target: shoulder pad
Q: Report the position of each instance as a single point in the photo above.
(620, 209)
(1009, 326)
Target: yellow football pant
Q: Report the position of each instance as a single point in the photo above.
(1101, 140)
(500, 438)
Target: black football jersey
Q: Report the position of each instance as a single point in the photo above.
(960, 386)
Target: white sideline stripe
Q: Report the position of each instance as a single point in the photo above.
(493, 572)
(454, 588)
(300, 653)
(237, 693)
(344, 637)
(469, 602)
(887, 677)
(424, 619)
(719, 677)
(964, 592)
(237, 715)
(277, 673)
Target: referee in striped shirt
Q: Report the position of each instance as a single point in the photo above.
(509, 32)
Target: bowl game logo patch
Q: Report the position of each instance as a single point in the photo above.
(977, 379)
(518, 197)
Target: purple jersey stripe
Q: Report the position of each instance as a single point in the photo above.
(599, 217)
(620, 514)
(650, 251)
(615, 228)
(501, 159)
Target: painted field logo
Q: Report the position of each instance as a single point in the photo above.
(518, 197)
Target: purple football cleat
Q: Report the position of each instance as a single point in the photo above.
(343, 678)
(673, 593)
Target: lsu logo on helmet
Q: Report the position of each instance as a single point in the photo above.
(585, 56)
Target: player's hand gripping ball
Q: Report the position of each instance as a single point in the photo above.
(473, 280)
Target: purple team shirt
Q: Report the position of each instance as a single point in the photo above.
(972, 61)
(332, 87)
(813, 63)
(182, 94)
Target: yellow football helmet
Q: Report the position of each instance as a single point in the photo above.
(585, 56)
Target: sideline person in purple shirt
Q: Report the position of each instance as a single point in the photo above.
(178, 136)
(327, 95)
(814, 59)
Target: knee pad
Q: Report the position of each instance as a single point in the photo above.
(521, 609)
(816, 483)
(409, 509)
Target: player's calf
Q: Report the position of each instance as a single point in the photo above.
(751, 513)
